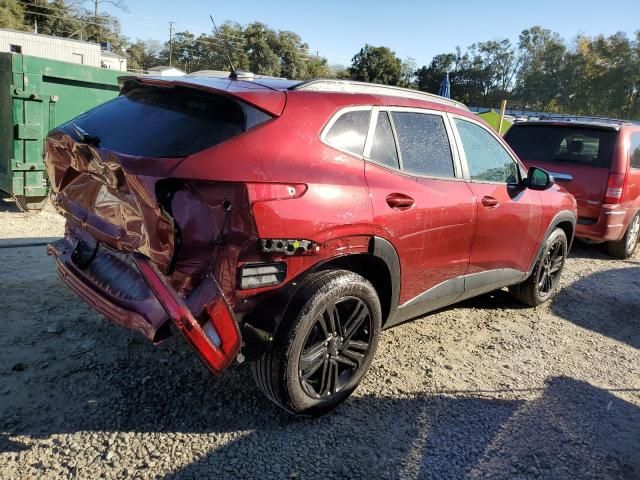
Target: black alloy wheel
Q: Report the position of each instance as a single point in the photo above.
(551, 266)
(335, 347)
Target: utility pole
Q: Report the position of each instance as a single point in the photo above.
(171, 44)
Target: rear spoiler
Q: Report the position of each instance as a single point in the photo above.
(264, 98)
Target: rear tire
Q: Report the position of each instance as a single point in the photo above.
(625, 247)
(543, 281)
(324, 346)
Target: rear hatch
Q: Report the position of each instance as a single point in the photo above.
(582, 152)
(109, 166)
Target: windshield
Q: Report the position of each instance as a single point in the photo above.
(586, 146)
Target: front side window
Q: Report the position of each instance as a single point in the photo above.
(634, 150)
(424, 144)
(487, 159)
(349, 131)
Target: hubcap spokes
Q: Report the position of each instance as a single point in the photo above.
(335, 347)
(549, 271)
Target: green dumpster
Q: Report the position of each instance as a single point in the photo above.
(37, 95)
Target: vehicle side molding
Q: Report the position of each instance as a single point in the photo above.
(455, 290)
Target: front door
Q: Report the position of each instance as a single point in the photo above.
(509, 215)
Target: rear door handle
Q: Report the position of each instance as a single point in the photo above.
(490, 202)
(400, 201)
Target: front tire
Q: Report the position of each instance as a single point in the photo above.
(324, 346)
(543, 281)
(625, 247)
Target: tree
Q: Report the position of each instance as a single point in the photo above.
(260, 43)
(539, 79)
(119, 4)
(408, 73)
(143, 55)
(376, 65)
(11, 15)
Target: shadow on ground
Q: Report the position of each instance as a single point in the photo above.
(588, 301)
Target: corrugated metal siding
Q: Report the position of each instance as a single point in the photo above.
(54, 48)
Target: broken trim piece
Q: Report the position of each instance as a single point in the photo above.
(222, 320)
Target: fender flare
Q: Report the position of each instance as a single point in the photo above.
(385, 251)
(562, 216)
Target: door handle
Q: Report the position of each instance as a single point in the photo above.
(400, 201)
(490, 202)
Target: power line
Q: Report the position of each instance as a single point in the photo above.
(73, 13)
(75, 19)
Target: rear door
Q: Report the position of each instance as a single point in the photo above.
(509, 215)
(421, 199)
(583, 153)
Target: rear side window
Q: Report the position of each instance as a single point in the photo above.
(383, 149)
(487, 159)
(586, 146)
(634, 150)
(424, 144)
(165, 122)
(349, 131)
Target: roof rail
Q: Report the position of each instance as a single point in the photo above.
(582, 118)
(350, 86)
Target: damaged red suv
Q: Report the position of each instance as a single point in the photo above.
(286, 223)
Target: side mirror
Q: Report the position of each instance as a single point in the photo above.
(539, 179)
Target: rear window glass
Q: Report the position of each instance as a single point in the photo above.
(424, 144)
(558, 144)
(384, 146)
(634, 151)
(165, 122)
(349, 131)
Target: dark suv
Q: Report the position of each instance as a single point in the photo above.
(598, 161)
(286, 223)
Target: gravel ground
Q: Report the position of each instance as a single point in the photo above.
(487, 389)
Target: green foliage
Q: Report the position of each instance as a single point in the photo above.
(592, 76)
(11, 15)
(376, 65)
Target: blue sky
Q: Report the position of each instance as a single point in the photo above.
(338, 29)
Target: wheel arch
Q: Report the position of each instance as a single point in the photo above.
(566, 220)
(380, 266)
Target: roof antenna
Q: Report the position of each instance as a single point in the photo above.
(235, 74)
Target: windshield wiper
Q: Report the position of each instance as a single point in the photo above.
(85, 137)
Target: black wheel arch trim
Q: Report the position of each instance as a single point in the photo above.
(560, 217)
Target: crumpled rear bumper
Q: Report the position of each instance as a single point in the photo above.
(131, 292)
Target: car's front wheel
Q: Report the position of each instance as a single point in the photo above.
(543, 281)
(325, 346)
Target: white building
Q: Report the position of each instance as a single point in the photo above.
(58, 48)
(113, 61)
(165, 71)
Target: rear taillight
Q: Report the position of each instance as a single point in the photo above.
(265, 192)
(615, 187)
(218, 341)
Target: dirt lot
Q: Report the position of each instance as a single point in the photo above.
(487, 389)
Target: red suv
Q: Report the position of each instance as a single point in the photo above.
(286, 223)
(599, 163)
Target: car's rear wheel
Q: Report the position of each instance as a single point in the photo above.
(325, 346)
(625, 247)
(543, 281)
